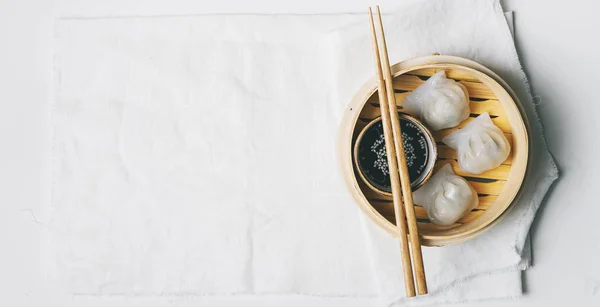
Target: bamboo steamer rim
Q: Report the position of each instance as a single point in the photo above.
(519, 127)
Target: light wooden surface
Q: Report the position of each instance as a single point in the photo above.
(500, 184)
(402, 231)
(411, 221)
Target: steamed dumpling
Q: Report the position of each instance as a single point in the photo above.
(480, 145)
(446, 197)
(439, 102)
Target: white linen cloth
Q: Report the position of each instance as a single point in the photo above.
(196, 155)
(476, 30)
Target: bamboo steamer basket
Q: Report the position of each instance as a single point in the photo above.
(497, 188)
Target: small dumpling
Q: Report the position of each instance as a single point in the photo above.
(480, 145)
(446, 197)
(439, 102)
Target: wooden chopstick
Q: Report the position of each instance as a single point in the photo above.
(409, 210)
(393, 168)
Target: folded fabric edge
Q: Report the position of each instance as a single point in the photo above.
(485, 280)
(547, 180)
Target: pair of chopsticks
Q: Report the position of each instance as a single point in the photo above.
(399, 177)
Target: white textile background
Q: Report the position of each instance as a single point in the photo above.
(179, 140)
(26, 49)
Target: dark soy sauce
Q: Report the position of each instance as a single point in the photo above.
(372, 158)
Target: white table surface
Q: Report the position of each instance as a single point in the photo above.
(557, 41)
